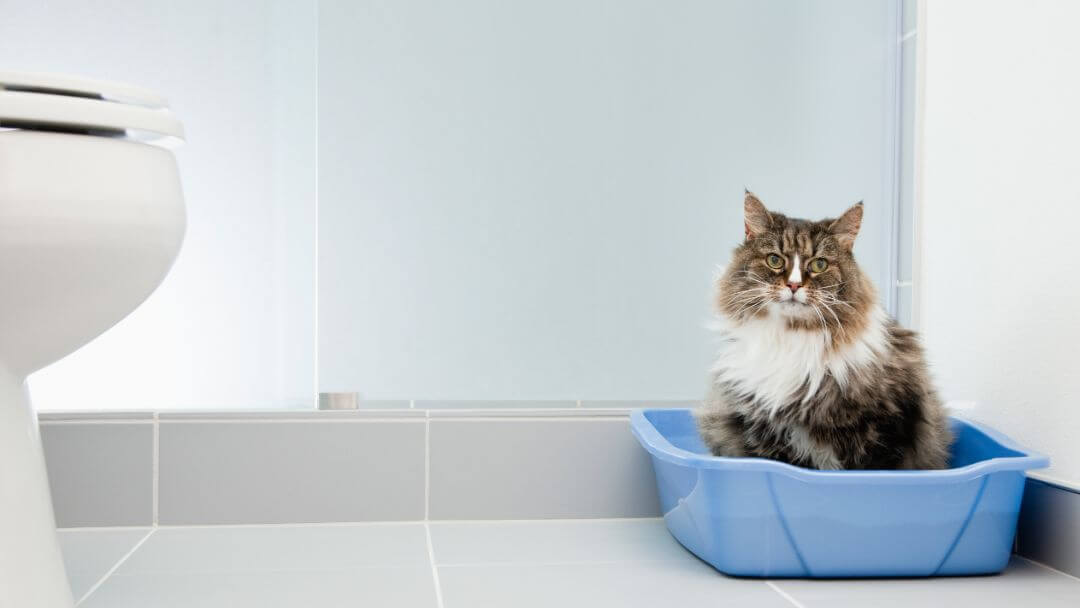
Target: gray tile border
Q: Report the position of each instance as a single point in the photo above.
(220, 472)
(262, 467)
(1049, 527)
(100, 474)
(538, 469)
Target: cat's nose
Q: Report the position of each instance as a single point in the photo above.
(794, 287)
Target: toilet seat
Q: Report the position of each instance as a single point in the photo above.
(66, 103)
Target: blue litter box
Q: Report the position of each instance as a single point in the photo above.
(757, 517)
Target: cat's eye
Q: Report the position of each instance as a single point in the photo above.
(818, 265)
(774, 261)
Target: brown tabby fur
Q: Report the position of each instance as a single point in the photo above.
(883, 413)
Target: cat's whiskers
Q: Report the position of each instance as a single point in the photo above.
(824, 324)
(832, 299)
(839, 325)
(755, 304)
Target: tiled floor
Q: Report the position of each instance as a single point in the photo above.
(594, 563)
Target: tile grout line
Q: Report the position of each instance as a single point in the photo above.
(434, 568)
(784, 594)
(372, 522)
(155, 466)
(1047, 567)
(115, 567)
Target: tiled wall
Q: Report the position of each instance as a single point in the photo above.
(141, 468)
(287, 467)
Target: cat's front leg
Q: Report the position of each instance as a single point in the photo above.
(721, 429)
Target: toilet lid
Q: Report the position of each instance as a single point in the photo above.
(59, 102)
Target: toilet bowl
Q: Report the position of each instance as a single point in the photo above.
(91, 219)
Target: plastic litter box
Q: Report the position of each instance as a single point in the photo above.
(758, 517)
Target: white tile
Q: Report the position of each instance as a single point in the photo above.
(1022, 584)
(384, 404)
(100, 474)
(555, 542)
(253, 472)
(223, 549)
(624, 585)
(275, 566)
(518, 413)
(641, 403)
(555, 468)
(459, 404)
(623, 563)
(89, 554)
(375, 587)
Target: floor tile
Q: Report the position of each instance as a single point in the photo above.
(89, 554)
(532, 542)
(1023, 583)
(626, 585)
(275, 566)
(279, 548)
(360, 587)
(596, 563)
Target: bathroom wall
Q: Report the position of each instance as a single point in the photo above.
(996, 293)
(528, 200)
(233, 324)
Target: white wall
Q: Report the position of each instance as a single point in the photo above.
(233, 324)
(998, 298)
(527, 200)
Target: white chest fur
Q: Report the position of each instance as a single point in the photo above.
(775, 365)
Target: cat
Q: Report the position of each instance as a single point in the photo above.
(812, 372)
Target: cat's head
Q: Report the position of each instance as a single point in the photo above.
(799, 272)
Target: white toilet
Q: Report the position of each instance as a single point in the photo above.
(91, 219)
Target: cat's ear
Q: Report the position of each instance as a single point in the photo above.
(756, 218)
(846, 227)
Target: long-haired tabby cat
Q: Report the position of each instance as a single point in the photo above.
(812, 371)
